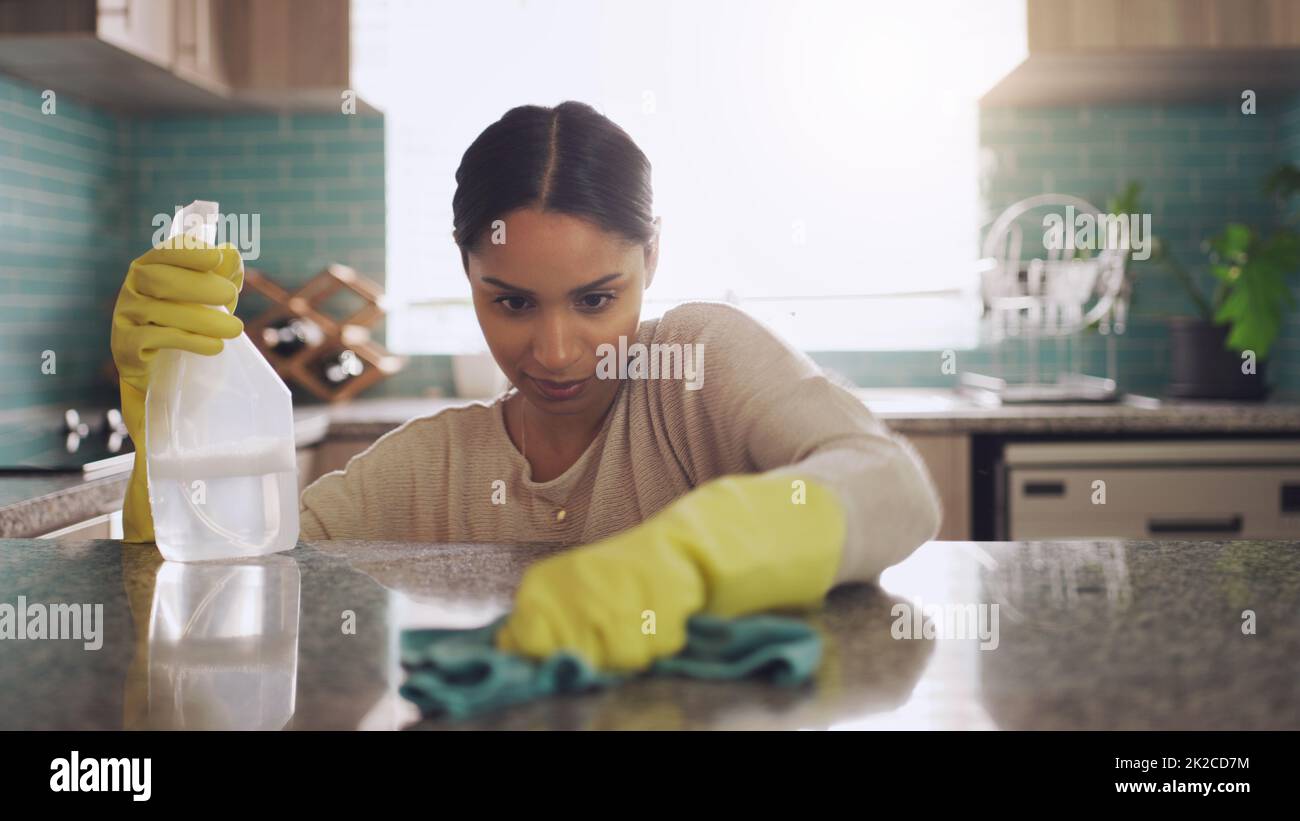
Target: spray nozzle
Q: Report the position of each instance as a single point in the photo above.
(198, 220)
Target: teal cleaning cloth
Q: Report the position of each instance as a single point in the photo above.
(459, 673)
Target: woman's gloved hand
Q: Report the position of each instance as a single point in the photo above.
(733, 546)
(164, 304)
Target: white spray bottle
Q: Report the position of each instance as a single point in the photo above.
(223, 475)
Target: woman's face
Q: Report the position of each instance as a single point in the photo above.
(549, 296)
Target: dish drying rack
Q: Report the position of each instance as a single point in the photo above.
(1056, 295)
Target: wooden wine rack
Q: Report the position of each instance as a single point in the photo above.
(352, 333)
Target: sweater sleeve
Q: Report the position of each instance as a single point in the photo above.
(763, 406)
(377, 495)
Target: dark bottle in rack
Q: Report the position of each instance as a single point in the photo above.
(291, 335)
(338, 369)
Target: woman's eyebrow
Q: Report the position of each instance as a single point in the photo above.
(575, 291)
(505, 286)
(595, 283)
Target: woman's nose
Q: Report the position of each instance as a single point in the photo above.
(555, 346)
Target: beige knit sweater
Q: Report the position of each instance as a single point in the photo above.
(760, 406)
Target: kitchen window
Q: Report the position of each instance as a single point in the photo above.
(814, 162)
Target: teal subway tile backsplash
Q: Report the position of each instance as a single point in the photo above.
(315, 181)
(63, 207)
(285, 172)
(79, 189)
(296, 172)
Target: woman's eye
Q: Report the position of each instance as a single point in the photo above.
(596, 301)
(514, 304)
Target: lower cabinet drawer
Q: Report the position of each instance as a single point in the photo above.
(1154, 503)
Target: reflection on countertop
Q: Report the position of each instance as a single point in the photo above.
(219, 647)
(1088, 635)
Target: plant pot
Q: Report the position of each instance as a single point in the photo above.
(1202, 368)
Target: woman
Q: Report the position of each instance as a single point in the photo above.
(705, 464)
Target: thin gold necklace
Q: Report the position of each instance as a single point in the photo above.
(523, 442)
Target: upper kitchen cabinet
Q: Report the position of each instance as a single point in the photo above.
(1117, 51)
(288, 50)
(182, 55)
(145, 28)
(201, 43)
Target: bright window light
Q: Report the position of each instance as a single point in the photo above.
(814, 162)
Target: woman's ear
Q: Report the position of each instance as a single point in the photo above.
(652, 253)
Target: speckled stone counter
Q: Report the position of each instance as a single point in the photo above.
(944, 412)
(44, 502)
(1089, 635)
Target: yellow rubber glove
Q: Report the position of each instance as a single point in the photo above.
(733, 546)
(163, 304)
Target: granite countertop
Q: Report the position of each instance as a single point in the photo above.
(938, 411)
(943, 411)
(32, 503)
(1090, 635)
(42, 502)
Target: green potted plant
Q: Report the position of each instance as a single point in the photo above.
(1219, 353)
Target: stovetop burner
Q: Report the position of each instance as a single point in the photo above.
(73, 443)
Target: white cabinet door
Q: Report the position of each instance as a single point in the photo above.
(146, 28)
(947, 457)
(198, 52)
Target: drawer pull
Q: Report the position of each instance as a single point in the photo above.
(1230, 524)
(1290, 498)
(1044, 488)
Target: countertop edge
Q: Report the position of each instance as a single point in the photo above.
(67, 506)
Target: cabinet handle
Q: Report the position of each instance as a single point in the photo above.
(187, 47)
(1045, 488)
(1229, 524)
(1290, 498)
(124, 12)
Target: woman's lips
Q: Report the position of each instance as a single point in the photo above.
(558, 391)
